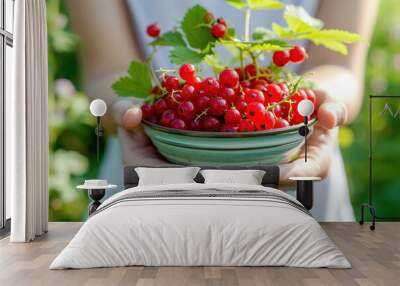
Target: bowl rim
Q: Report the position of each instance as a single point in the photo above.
(226, 134)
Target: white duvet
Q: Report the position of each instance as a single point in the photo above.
(200, 231)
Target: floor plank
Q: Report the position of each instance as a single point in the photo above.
(375, 257)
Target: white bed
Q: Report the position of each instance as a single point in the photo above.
(250, 225)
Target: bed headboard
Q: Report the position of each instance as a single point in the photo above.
(271, 177)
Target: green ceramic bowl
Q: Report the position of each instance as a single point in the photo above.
(226, 148)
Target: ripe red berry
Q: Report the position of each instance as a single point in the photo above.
(153, 119)
(170, 83)
(178, 124)
(195, 81)
(173, 100)
(218, 30)
(188, 92)
(218, 106)
(228, 94)
(186, 110)
(241, 105)
(187, 72)
(160, 106)
(285, 88)
(250, 70)
(240, 73)
(195, 124)
(278, 111)
(280, 58)
(281, 123)
(254, 95)
(232, 116)
(201, 102)
(255, 110)
(269, 119)
(208, 17)
(211, 86)
(147, 110)
(274, 93)
(156, 90)
(230, 128)
(222, 21)
(210, 123)
(167, 117)
(297, 54)
(229, 78)
(246, 125)
(153, 30)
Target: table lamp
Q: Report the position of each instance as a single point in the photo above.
(305, 109)
(98, 108)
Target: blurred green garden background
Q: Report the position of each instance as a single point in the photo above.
(71, 127)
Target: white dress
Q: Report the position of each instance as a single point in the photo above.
(332, 201)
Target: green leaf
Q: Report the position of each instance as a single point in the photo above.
(265, 4)
(231, 32)
(262, 34)
(198, 36)
(282, 32)
(172, 38)
(335, 35)
(238, 4)
(137, 83)
(332, 45)
(300, 21)
(181, 55)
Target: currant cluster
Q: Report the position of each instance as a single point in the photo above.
(218, 27)
(238, 100)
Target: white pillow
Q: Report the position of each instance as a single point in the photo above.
(248, 177)
(166, 176)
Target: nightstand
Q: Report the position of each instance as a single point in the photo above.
(305, 190)
(96, 191)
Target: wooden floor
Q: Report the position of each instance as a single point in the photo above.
(375, 257)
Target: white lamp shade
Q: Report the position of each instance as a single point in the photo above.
(98, 107)
(305, 107)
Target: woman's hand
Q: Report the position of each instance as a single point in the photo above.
(321, 142)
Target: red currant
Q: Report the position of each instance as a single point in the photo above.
(211, 86)
(250, 70)
(284, 88)
(241, 105)
(230, 128)
(195, 81)
(147, 110)
(297, 54)
(178, 124)
(170, 83)
(240, 73)
(186, 110)
(274, 93)
(228, 94)
(245, 84)
(153, 119)
(187, 72)
(167, 117)
(229, 78)
(280, 58)
(160, 106)
(156, 90)
(153, 30)
(255, 110)
(254, 95)
(210, 123)
(188, 92)
(218, 30)
(201, 102)
(195, 125)
(246, 125)
(278, 111)
(222, 21)
(281, 123)
(232, 116)
(218, 106)
(173, 99)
